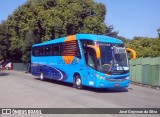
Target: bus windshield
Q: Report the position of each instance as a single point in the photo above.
(113, 59)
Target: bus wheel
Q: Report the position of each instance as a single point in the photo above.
(78, 82)
(41, 76)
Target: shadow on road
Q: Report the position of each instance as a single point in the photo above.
(4, 74)
(96, 90)
(106, 90)
(57, 82)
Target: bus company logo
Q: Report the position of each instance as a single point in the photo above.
(6, 111)
(73, 62)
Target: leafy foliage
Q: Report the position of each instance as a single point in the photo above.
(40, 20)
(145, 47)
(4, 41)
(109, 31)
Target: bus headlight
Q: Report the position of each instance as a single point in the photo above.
(127, 78)
(100, 77)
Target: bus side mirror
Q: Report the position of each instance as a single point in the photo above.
(133, 52)
(96, 49)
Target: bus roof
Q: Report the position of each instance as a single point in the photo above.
(100, 38)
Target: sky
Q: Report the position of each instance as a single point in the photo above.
(129, 17)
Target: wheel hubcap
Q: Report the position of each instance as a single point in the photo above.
(41, 76)
(78, 82)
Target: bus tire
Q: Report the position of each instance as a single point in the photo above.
(77, 82)
(41, 76)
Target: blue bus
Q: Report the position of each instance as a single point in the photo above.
(83, 59)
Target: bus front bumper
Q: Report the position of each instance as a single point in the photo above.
(112, 84)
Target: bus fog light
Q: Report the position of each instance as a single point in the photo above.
(102, 84)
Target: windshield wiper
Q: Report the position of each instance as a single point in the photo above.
(112, 63)
(110, 69)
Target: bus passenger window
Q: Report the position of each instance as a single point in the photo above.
(41, 51)
(47, 51)
(56, 50)
(77, 51)
(90, 57)
(37, 51)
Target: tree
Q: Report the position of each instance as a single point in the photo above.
(4, 41)
(109, 31)
(145, 47)
(125, 40)
(41, 20)
(158, 30)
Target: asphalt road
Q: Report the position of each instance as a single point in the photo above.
(22, 90)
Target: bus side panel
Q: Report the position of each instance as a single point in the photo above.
(69, 69)
(88, 78)
(35, 69)
(52, 67)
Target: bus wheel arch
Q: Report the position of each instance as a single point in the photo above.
(77, 81)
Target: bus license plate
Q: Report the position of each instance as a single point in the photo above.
(116, 85)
